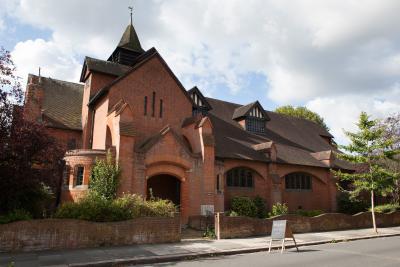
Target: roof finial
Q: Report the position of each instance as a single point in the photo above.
(131, 9)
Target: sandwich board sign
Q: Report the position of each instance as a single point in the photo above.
(281, 231)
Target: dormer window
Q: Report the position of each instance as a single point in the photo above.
(200, 103)
(252, 117)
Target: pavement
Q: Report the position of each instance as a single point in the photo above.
(187, 249)
(382, 252)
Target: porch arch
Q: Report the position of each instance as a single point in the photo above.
(164, 186)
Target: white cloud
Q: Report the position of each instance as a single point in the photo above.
(321, 53)
(342, 112)
(54, 60)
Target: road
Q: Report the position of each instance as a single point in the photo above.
(379, 252)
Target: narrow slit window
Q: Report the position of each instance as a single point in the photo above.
(161, 108)
(153, 104)
(145, 105)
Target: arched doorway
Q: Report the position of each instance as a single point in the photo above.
(164, 186)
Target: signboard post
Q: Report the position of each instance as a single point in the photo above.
(281, 231)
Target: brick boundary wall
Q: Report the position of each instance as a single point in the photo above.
(70, 234)
(200, 222)
(234, 227)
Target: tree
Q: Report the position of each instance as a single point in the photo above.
(392, 131)
(104, 179)
(302, 112)
(369, 146)
(30, 160)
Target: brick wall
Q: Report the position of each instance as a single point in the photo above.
(69, 234)
(233, 227)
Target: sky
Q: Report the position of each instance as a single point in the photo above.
(336, 57)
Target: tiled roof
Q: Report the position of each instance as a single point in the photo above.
(103, 66)
(295, 138)
(62, 103)
(130, 40)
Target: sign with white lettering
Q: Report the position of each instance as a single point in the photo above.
(278, 230)
(281, 231)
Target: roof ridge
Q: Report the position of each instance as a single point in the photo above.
(216, 99)
(57, 80)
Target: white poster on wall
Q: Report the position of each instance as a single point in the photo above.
(207, 210)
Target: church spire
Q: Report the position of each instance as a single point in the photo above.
(129, 39)
(128, 47)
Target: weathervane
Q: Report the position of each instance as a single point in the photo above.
(131, 9)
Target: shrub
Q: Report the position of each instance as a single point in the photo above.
(261, 207)
(233, 213)
(309, 213)
(350, 205)
(386, 208)
(278, 209)
(244, 206)
(16, 215)
(209, 233)
(97, 208)
(104, 178)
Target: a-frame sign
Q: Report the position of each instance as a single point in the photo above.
(281, 231)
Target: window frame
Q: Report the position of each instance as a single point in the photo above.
(240, 178)
(255, 125)
(298, 182)
(77, 168)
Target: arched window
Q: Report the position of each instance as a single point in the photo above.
(298, 181)
(239, 177)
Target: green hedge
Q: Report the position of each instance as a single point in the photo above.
(16, 215)
(250, 207)
(386, 208)
(244, 206)
(100, 209)
(350, 205)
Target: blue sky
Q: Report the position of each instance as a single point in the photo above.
(17, 32)
(338, 58)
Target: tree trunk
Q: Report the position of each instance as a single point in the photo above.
(373, 212)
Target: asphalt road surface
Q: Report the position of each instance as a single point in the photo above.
(379, 252)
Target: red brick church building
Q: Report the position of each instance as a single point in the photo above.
(197, 151)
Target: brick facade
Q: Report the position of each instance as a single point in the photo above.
(145, 116)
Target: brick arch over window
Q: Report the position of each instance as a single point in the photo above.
(255, 172)
(309, 173)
